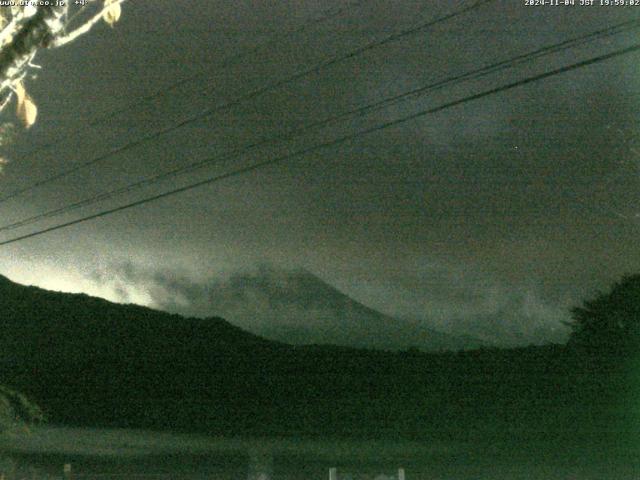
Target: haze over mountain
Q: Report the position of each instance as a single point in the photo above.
(294, 306)
(519, 321)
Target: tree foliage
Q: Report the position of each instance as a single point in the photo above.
(16, 410)
(28, 27)
(611, 321)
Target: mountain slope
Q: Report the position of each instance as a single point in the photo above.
(298, 307)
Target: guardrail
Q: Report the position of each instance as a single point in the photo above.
(252, 474)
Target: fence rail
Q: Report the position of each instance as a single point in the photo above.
(252, 474)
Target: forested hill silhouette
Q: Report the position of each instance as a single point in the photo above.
(64, 327)
(87, 361)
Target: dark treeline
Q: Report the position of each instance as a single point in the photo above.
(89, 362)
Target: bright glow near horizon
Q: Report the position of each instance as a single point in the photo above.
(69, 281)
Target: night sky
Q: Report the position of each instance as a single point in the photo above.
(525, 201)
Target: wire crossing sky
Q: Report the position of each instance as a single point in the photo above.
(567, 44)
(173, 87)
(251, 95)
(332, 143)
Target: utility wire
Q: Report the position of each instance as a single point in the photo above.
(249, 96)
(474, 74)
(231, 60)
(331, 143)
(224, 63)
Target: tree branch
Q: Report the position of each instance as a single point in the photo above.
(37, 32)
(34, 26)
(70, 37)
(12, 27)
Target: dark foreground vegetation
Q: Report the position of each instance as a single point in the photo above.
(89, 362)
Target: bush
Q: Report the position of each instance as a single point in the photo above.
(17, 410)
(610, 323)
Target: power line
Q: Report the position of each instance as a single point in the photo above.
(474, 74)
(224, 63)
(331, 143)
(253, 94)
(328, 15)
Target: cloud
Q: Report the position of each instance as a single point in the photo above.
(461, 299)
(456, 301)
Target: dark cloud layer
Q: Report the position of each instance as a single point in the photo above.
(525, 201)
(274, 302)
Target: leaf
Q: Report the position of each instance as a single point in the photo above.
(29, 112)
(26, 109)
(112, 11)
